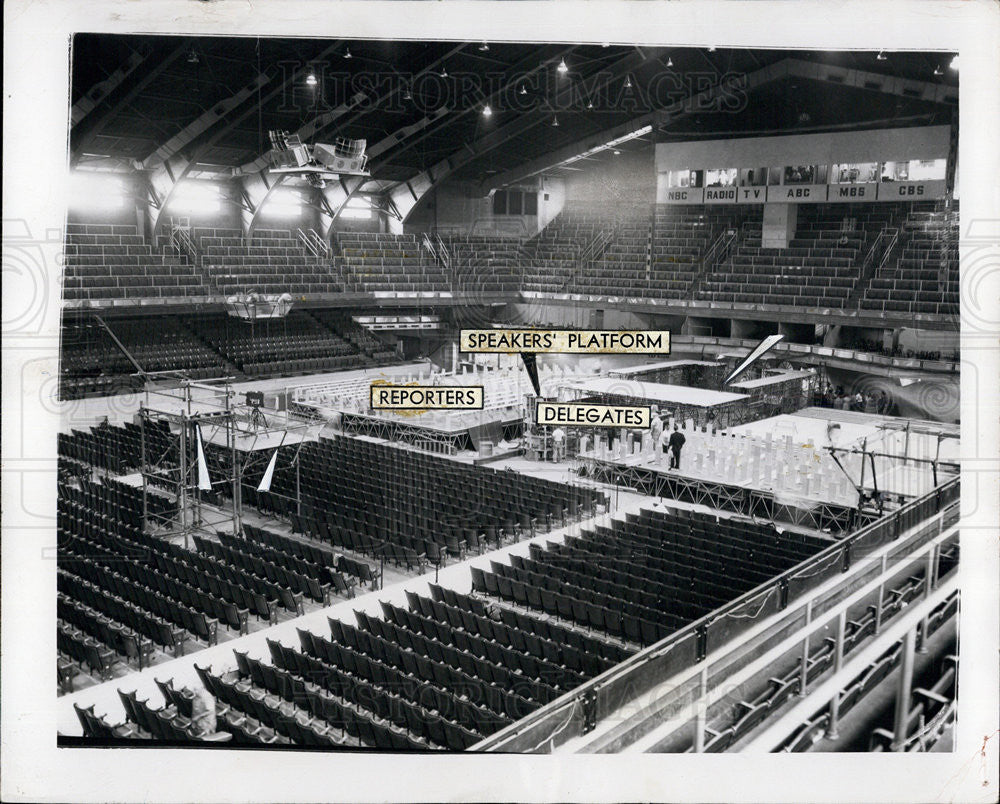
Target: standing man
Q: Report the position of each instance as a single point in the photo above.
(676, 442)
(655, 428)
(558, 444)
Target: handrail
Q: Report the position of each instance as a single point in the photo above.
(693, 639)
(723, 243)
(802, 350)
(313, 243)
(894, 235)
(180, 238)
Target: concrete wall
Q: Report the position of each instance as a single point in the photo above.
(627, 178)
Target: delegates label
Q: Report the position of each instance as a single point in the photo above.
(584, 414)
(583, 341)
(427, 397)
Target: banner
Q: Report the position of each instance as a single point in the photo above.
(851, 193)
(265, 481)
(204, 482)
(911, 190)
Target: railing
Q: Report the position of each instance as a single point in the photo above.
(893, 235)
(575, 713)
(720, 250)
(180, 239)
(313, 243)
(799, 350)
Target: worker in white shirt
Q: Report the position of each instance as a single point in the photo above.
(558, 444)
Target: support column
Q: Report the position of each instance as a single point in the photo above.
(903, 691)
(700, 712)
(779, 225)
(832, 733)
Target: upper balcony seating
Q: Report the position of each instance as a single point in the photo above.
(104, 262)
(924, 278)
(373, 262)
(273, 262)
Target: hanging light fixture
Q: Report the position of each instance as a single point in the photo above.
(616, 152)
(484, 47)
(444, 72)
(523, 90)
(192, 58)
(555, 121)
(590, 104)
(562, 68)
(938, 70)
(881, 56)
(407, 95)
(670, 62)
(487, 111)
(628, 82)
(311, 80)
(347, 54)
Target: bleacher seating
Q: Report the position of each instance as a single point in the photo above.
(924, 276)
(93, 363)
(274, 262)
(296, 343)
(372, 262)
(105, 262)
(484, 264)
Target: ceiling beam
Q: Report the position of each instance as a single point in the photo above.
(165, 177)
(319, 125)
(518, 73)
(82, 137)
(204, 122)
(97, 93)
(407, 195)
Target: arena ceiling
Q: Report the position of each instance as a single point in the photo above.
(139, 102)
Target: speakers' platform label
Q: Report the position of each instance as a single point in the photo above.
(584, 414)
(566, 341)
(427, 397)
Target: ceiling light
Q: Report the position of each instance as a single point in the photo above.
(562, 66)
(311, 80)
(616, 152)
(605, 44)
(881, 56)
(484, 47)
(487, 111)
(712, 49)
(590, 104)
(523, 90)
(555, 121)
(670, 62)
(444, 72)
(407, 95)
(954, 62)
(192, 58)
(938, 70)
(628, 82)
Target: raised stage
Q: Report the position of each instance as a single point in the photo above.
(804, 469)
(681, 402)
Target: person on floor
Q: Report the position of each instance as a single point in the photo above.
(203, 712)
(675, 443)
